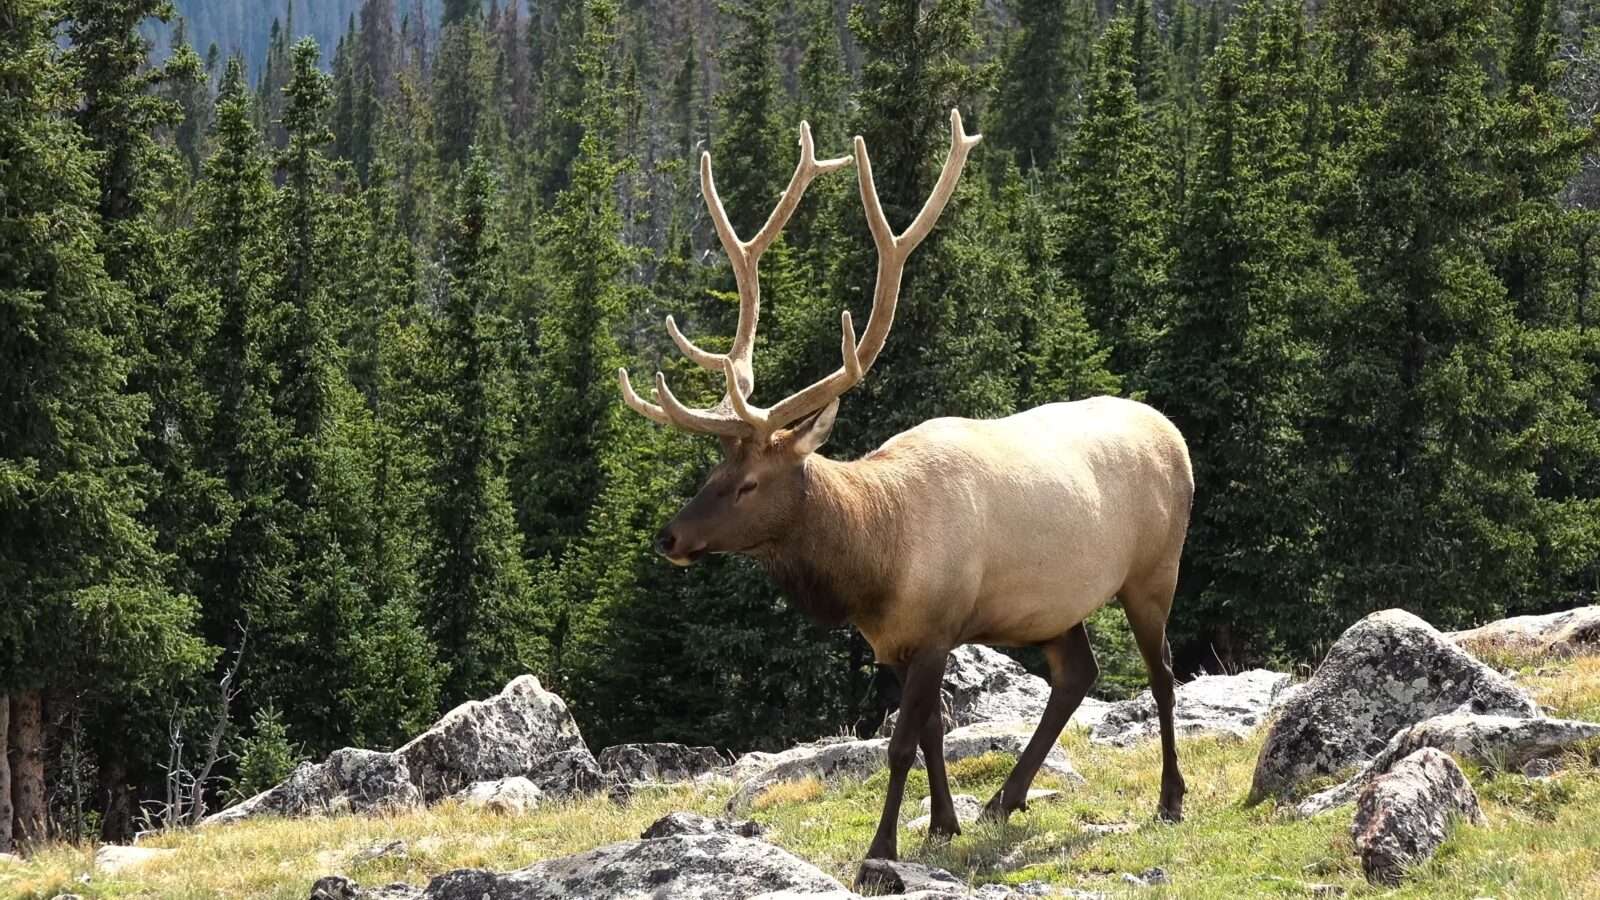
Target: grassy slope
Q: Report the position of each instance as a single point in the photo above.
(1543, 838)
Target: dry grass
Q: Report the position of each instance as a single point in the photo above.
(1542, 840)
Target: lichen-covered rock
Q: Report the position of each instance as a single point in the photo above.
(523, 730)
(1488, 740)
(338, 887)
(684, 867)
(984, 685)
(507, 796)
(1386, 672)
(1404, 815)
(838, 760)
(660, 762)
(1561, 634)
(349, 780)
(897, 877)
(1211, 704)
(693, 823)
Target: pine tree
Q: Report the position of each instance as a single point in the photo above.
(92, 615)
(1036, 82)
(1236, 367)
(746, 142)
(478, 601)
(1114, 232)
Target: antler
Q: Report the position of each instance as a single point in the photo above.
(735, 416)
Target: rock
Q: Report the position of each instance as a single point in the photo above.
(1402, 816)
(114, 858)
(693, 823)
(660, 762)
(391, 849)
(1515, 743)
(1561, 634)
(338, 887)
(522, 731)
(1148, 878)
(969, 807)
(1386, 672)
(508, 796)
(832, 761)
(984, 685)
(684, 867)
(1006, 737)
(10, 859)
(1210, 704)
(896, 877)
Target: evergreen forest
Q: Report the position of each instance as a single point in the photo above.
(309, 421)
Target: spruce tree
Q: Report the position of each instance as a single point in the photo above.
(90, 611)
(477, 590)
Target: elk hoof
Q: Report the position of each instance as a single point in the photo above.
(942, 832)
(1172, 812)
(995, 810)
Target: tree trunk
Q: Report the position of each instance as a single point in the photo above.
(116, 826)
(27, 770)
(5, 776)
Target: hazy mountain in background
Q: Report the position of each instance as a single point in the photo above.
(245, 26)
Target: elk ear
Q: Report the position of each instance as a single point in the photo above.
(804, 439)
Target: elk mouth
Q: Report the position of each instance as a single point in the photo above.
(686, 559)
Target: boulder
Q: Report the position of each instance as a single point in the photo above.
(1562, 633)
(684, 867)
(338, 887)
(1404, 815)
(984, 685)
(693, 823)
(396, 849)
(660, 762)
(114, 858)
(1210, 704)
(524, 731)
(507, 796)
(897, 877)
(969, 807)
(833, 761)
(1508, 741)
(1386, 672)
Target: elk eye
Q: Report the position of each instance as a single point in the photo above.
(746, 488)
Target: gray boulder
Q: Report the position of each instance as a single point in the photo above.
(1210, 704)
(1561, 634)
(897, 877)
(660, 762)
(522, 731)
(1488, 740)
(1404, 815)
(685, 867)
(1386, 672)
(676, 823)
(835, 761)
(507, 796)
(984, 685)
(113, 859)
(338, 887)
(349, 780)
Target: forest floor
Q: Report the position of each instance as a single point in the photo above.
(1542, 839)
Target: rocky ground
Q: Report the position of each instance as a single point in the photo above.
(1404, 762)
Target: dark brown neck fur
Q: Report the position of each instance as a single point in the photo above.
(831, 564)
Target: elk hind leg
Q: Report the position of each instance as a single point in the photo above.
(1147, 612)
(1073, 672)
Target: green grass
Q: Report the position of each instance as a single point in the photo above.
(1542, 840)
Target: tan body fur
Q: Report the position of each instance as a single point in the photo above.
(1003, 531)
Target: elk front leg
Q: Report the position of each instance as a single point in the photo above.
(943, 823)
(919, 698)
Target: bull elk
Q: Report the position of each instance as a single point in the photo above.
(1007, 532)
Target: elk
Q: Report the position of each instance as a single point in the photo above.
(1005, 532)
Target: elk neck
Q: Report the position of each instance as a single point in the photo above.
(834, 564)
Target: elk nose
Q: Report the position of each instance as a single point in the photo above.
(665, 541)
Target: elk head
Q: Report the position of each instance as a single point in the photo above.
(754, 494)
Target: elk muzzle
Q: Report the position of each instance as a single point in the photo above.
(678, 549)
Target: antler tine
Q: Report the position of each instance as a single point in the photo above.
(808, 168)
(638, 404)
(704, 359)
(893, 250)
(697, 420)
